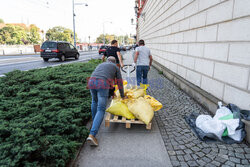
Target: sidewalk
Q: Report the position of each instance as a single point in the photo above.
(139, 147)
(118, 146)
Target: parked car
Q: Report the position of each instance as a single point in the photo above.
(103, 49)
(58, 49)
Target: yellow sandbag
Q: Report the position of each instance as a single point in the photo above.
(131, 93)
(144, 87)
(141, 109)
(124, 85)
(135, 93)
(156, 105)
(117, 93)
(117, 107)
(125, 82)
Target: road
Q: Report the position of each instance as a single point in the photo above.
(28, 62)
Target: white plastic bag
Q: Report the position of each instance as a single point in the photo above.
(221, 112)
(237, 135)
(231, 125)
(201, 119)
(209, 125)
(216, 126)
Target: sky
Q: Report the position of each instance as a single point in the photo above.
(89, 20)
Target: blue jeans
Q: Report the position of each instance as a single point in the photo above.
(98, 107)
(142, 73)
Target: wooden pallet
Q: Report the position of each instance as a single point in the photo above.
(118, 119)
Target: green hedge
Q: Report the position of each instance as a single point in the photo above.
(43, 114)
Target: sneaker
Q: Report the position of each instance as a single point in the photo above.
(92, 140)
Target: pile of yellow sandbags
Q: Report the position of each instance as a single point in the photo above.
(138, 105)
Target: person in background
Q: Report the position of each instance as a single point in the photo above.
(114, 51)
(143, 60)
(100, 83)
(136, 45)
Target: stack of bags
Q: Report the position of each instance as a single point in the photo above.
(138, 105)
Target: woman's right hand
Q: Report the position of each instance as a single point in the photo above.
(122, 65)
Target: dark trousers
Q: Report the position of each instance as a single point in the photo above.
(142, 74)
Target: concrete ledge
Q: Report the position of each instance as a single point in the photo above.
(38, 53)
(207, 100)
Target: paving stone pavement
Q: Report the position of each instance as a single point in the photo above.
(183, 146)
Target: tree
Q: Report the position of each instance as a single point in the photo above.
(60, 34)
(33, 34)
(1, 21)
(13, 34)
(110, 38)
(18, 34)
(121, 39)
(100, 39)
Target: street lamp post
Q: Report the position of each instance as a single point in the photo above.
(136, 10)
(73, 4)
(123, 40)
(73, 1)
(134, 24)
(104, 31)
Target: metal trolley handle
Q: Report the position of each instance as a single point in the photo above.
(126, 68)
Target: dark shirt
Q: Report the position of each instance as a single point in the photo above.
(112, 51)
(109, 71)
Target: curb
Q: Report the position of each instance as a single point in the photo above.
(72, 163)
(21, 54)
(2, 75)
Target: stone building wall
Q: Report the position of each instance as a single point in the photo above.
(206, 42)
